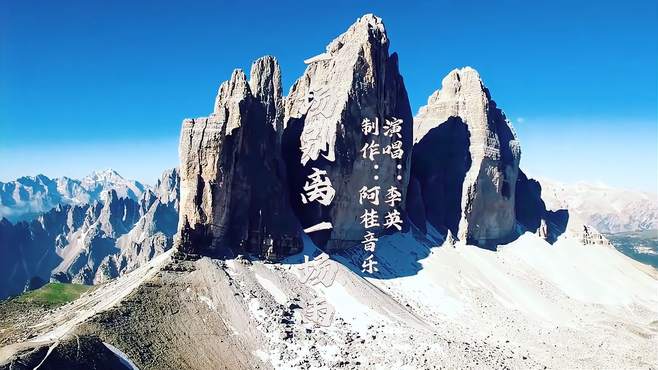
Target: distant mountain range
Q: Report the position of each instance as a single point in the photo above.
(103, 225)
(88, 231)
(28, 196)
(607, 209)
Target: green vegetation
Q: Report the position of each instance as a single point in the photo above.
(53, 294)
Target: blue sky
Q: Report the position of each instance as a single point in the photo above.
(86, 85)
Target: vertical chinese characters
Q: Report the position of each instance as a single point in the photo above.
(369, 196)
(320, 270)
(318, 189)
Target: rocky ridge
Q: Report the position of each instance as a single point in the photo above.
(27, 197)
(90, 243)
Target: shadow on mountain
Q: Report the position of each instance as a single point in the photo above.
(495, 190)
(439, 164)
(23, 252)
(531, 212)
(440, 161)
(311, 213)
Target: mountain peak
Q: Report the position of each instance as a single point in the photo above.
(466, 77)
(461, 84)
(106, 174)
(265, 84)
(487, 202)
(371, 22)
(227, 103)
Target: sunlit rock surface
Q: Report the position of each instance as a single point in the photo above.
(233, 183)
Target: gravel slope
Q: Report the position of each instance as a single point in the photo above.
(528, 305)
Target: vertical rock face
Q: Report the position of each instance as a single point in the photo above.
(487, 199)
(355, 79)
(439, 164)
(265, 84)
(167, 188)
(233, 188)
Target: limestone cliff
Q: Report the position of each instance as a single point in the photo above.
(488, 190)
(354, 80)
(532, 214)
(233, 186)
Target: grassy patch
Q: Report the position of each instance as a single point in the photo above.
(53, 294)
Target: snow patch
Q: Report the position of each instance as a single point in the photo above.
(350, 308)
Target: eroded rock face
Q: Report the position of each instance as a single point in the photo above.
(265, 84)
(488, 191)
(233, 187)
(355, 79)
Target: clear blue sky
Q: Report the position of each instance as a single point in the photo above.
(94, 84)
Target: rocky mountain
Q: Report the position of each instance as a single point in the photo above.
(268, 267)
(465, 176)
(320, 138)
(233, 184)
(354, 82)
(608, 209)
(27, 197)
(347, 134)
(89, 243)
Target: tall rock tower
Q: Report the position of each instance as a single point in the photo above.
(354, 81)
(488, 189)
(233, 183)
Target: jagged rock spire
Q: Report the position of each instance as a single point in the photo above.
(233, 188)
(354, 79)
(265, 84)
(230, 97)
(488, 191)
